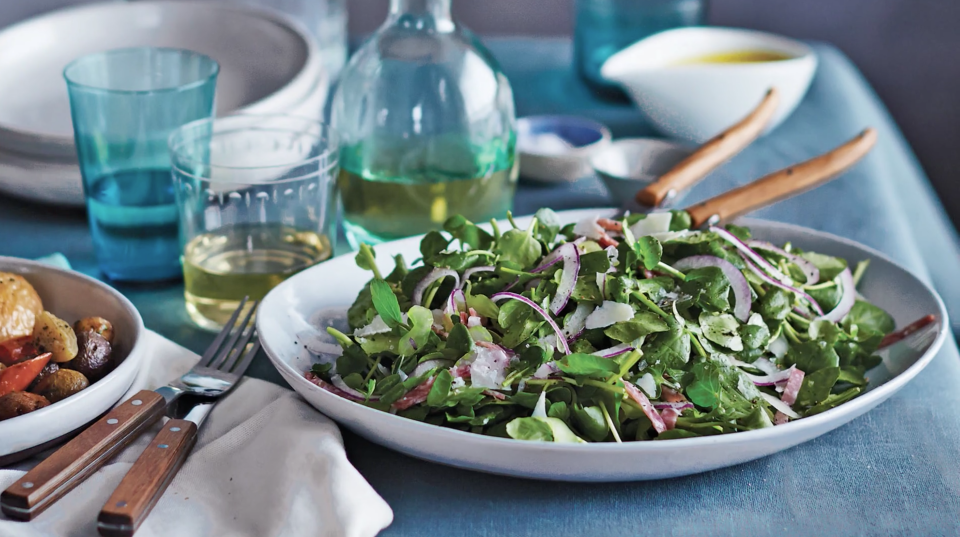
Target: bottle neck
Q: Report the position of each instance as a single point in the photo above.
(438, 10)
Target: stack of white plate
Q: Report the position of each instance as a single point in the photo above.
(268, 64)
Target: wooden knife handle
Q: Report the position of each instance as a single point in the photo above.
(82, 456)
(711, 154)
(784, 183)
(147, 479)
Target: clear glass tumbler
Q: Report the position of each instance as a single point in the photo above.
(125, 103)
(604, 27)
(256, 201)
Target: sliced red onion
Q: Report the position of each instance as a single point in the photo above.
(810, 271)
(779, 405)
(772, 281)
(746, 250)
(432, 276)
(616, 350)
(354, 394)
(438, 363)
(793, 386)
(545, 370)
(456, 303)
(676, 406)
(847, 300)
(550, 260)
(562, 341)
(473, 270)
(577, 321)
(739, 284)
(646, 406)
(570, 255)
(771, 379)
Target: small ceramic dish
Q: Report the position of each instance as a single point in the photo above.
(693, 101)
(72, 296)
(557, 149)
(629, 164)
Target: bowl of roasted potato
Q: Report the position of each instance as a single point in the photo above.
(69, 350)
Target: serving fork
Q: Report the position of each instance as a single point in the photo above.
(221, 366)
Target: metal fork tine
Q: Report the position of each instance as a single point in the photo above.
(211, 351)
(247, 358)
(238, 349)
(217, 362)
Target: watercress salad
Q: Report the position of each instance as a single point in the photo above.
(605, 331)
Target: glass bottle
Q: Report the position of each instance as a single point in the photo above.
(427, 127)
(604, 27)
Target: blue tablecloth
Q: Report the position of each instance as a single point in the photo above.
(891, 472)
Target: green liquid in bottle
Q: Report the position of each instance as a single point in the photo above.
(393, 198)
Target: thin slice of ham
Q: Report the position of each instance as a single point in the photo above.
(646, 406)
(793, 387)
(312, 377)
(670, 416)
(415, 396)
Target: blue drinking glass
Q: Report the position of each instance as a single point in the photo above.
(604, 27)
(124, 104)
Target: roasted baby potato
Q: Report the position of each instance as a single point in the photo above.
(20, 403)
(96, 324)
(19, 306)
(94, 357)
(47, 370)
(62, 384)
(52, 334)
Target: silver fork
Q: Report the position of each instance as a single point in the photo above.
(218, 370)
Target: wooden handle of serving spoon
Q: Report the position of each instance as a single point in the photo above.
(85, 454)
(711, 154)
(144, 484)
(784, 183)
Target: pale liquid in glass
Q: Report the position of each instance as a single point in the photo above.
(221, 267)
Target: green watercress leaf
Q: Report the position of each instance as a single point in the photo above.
(468, 233)
(587, 365)
(649, 250)
(386, 303)
(642, 324)
(817, 385)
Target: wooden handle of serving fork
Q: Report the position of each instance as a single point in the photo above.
(784, 183)
(82, 456)
(144, 484)
(711, 154)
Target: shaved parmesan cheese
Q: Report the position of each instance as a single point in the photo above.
(488, 367)
(653, 223)
(648, 385)
(609, 313)
(540, 411)
(589, 228)
(376, 326)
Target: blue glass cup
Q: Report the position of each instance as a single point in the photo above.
(124, 104)
(604, 27)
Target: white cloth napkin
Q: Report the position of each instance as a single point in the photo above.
(265, 464)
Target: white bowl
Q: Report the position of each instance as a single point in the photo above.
(580, 137)
(629, 164)
(693, 102)
(72, 296)
(295, 313)
(268, 62)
